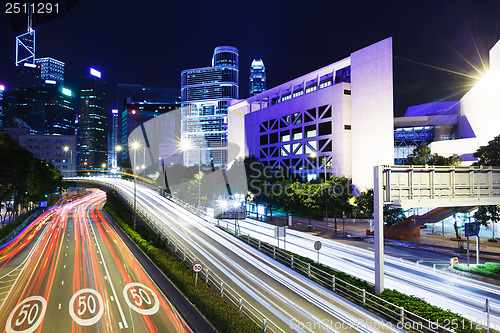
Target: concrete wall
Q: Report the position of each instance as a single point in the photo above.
(371, 111)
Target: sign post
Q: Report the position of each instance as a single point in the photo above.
(317, 247)
(197, 267)
(472, 229)
(410, 186)
(280, 232)
(487, 310)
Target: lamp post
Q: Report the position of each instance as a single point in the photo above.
(135, 145)
(118, 149)
(66, 149)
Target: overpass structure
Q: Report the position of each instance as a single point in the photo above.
(428, 186)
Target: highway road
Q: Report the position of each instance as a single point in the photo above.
(70, 272)
(288, 299)
(277, 288)
(447, 290)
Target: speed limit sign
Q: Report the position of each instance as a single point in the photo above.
(197, 267)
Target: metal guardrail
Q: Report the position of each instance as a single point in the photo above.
(20, 227)
(397, 314)
(182, 252)
(394, 313)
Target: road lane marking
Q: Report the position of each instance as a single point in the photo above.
(62, 283)
(111, 283)
(59, 306)
(24, 262)
(105, 277)
(112, 298)
(65, 254)
(120, 325)
(64, 266)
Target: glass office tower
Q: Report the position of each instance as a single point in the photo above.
(257, 77)
(93, 122)
(205, 93)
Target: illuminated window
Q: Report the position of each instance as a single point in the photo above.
(297, 134)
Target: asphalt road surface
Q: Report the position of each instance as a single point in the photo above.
(70, 272)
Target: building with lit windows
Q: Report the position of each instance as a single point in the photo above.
(459, 127)
(205, 95)
(93, 122)
(60, 111)
(138, 104)
(49, 148)
(43, 106)
(136, 114)
(335, 120)
(424, 124)
(51, 69)
(2, 89)
(257, 77)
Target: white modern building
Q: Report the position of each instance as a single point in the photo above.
(478, 116)
(336, 120)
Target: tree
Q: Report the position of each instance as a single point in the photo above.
(422, 156)
(484, 214)
(489, 154)
(393, 216)
(365, 203)
(23, 177)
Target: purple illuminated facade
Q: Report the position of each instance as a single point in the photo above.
(335, 120)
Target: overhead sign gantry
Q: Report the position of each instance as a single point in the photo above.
(409, 186)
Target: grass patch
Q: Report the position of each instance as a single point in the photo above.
(222, 314)
(489, 269)
(412, 304)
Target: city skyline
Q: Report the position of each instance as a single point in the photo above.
(425, 39)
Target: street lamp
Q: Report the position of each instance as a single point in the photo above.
(135, 145)
(66, 149)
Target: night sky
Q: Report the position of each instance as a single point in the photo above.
(437, 43)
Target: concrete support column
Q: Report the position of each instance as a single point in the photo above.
(378, 206)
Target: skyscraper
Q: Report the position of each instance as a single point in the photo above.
(146, 103)
(113, 141)
(205, 93)
(257, 77)
(51, 69)
(93, 122)
(2, 89)
(59, 110)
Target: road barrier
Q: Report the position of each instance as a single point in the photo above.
(392, 312)
(178, 247)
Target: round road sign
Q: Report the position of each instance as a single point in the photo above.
(317, 245)
(197, 267)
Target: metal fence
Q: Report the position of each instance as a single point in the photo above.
(403, 318)
(23, 225)
(178, 247)
(396, 314)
